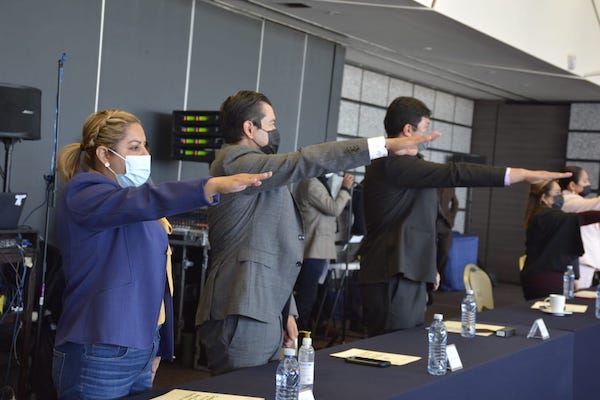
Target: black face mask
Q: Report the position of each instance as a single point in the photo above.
(586, 190)
(273, 144)
(558, 201)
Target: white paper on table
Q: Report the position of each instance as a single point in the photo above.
(394, 359)
(484, 329)
(178, 394)
(574, 308)
(586, 294)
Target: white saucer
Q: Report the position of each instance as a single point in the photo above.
(561, 314)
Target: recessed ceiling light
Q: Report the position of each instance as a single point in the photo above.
(427, 48)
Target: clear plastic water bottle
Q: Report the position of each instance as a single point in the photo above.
(287, 380)
(306, 359)
(468, 315)
(598, 301)
(438, 336)
(569, 283)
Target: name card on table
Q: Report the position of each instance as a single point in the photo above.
(306, 395)
(538, 325)
(454, 363)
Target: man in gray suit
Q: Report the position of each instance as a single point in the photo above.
(246, 307)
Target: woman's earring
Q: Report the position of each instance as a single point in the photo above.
(107, 164)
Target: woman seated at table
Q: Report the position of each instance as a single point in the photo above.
(575, 189)
(553, 240)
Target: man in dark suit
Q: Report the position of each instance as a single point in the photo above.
(246, 307)
(398, 256)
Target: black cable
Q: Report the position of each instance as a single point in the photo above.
(17, 305)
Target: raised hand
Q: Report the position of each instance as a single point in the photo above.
(534, 176)
(233, 183)
(348, 181)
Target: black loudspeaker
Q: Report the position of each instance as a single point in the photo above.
(20, 112)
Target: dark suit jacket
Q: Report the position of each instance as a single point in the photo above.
(553, 242)
(401, 206)
(256, 236)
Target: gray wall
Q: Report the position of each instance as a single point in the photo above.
(135, 57)
(583, 146)
(530, 136)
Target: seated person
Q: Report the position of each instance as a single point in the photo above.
(553, 240)
(575, 189)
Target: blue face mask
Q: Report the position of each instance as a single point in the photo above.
(137, 170)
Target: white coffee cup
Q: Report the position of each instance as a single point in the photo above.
(555, 303)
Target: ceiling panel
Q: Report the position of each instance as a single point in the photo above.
(414, 43)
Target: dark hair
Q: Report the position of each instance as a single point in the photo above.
(534, 203)
(245, 105)
(576, 171)
(402, 111)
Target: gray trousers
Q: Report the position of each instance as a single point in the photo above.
(239, 342)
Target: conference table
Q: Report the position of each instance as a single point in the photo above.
(560, 367)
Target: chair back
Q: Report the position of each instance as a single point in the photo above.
(522, 261)
(478, 280)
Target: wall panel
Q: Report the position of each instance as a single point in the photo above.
(527, 136)
(143, 63)
(33, 36)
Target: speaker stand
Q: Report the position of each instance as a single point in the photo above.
(8, 149)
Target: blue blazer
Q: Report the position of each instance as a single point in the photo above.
(114, 258)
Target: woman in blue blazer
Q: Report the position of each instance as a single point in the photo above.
(117, 313)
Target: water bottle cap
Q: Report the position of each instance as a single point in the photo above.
(569, 267)
(307, 342)
(469, 291)
(438, 317)
(288, 351)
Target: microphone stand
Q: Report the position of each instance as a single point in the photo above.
(8, 151)
(50, 194)
(347, 262)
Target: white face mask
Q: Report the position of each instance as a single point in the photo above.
(137, 170)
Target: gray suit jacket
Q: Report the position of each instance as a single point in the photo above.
(319, 211)
(256, 235)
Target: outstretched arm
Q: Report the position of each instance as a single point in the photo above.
(408, 145)
(233, 183)
(533, 176)
(588, 217)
